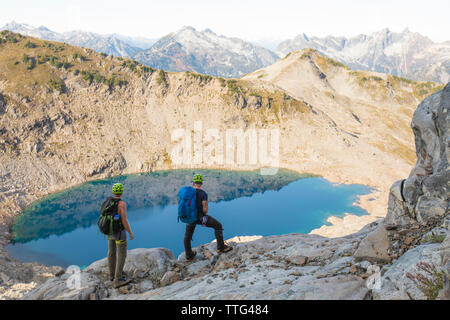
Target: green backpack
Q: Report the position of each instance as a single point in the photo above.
(107, 223)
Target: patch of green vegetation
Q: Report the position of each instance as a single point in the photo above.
(54, 47)
(375, 78)
(57, 85)
(427, 88)
(307, 53)
(400, 79)
(336, 63)
(30, 44)
(146, 69)
(286, 97)
(428, 279)
(78, 56)
(362, 78)
(130, 64)
(44, 59)
(136, 67)
(30, 62)
(433, 238)
(287, 55)
(233, 86)
(94, 76)
(87, 75)
(8, 36)
(54, 62)
(112, 82)
(202, 77)
(162, 78)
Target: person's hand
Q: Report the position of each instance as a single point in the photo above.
(131, 236)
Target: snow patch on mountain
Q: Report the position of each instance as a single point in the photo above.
(206, 52)
(110, 44)
(407, 54)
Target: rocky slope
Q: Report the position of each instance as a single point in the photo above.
(371, 109)
(206, 52)
(405, 256)
(407, 54)
(70, 115)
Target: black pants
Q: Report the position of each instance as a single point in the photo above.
(210, 223)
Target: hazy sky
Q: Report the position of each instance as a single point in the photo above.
(246, 19)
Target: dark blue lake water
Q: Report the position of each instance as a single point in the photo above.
(61, 228)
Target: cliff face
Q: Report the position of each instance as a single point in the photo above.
(417, 217)
(424, 195)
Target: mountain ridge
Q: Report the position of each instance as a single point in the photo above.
(114, 44)
(407, 54)
(206, 52)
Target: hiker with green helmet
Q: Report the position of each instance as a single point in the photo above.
(204, 220)
(117, 241)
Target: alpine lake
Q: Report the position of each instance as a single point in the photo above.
(61, 229)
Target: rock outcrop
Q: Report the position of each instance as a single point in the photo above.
(425, 193)
(418, 210)
(294, 266)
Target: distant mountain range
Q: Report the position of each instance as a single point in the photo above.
(407, 54)
(206, 52)
(114, 44)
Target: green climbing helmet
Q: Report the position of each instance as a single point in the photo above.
(198, 178)
(117, 188)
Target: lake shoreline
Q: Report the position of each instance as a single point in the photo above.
(376, 208)
(45, 231)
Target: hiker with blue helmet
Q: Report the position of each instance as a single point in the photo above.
(200, 218)
(114, 223)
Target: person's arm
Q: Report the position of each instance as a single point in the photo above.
(205, 206)
(123, 216)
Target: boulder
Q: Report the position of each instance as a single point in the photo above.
(374, 248)
(140, 263)
(70, 286)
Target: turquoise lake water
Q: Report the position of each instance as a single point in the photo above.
(61, 229)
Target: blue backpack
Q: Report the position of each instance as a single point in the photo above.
(187, 208)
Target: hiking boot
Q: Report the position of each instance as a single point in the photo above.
(121, 282)
(226, 248)
(191, 256)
